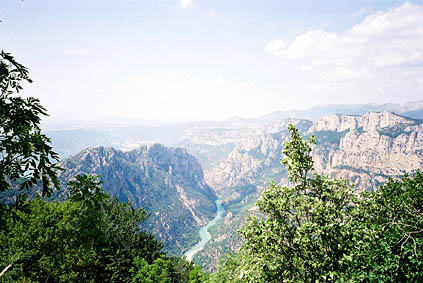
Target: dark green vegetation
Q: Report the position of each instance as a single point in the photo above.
(90, 237)
(319, 230)
(26, 155)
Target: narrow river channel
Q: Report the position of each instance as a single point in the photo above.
(204, 234)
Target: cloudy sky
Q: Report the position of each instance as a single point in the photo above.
(199, 60)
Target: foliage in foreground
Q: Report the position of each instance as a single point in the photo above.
(26, 154)
(319, 230)
(26, 157)
(90, 237)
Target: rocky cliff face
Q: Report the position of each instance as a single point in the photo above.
(255, 160)
(371, 148)
(167, 182)
(367, 149)
(211, 146)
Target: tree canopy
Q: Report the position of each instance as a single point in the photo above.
(91, 237)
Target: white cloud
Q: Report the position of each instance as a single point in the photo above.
(185, 4)
(275, 46)
(383, 52)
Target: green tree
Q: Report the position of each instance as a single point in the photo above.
(166, 269)
(90, 237)
(156, 272)
(197, 275)
(26, 156)
(228, 270)
(388, 233)
(47, 244)
(301, 237)
(126, 240)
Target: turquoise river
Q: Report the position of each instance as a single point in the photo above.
(204, 233)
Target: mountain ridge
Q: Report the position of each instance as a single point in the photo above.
(167, 182)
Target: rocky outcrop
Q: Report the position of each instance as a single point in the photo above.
(372, 148)
(167, 182)
(212, 145)
(255, 160)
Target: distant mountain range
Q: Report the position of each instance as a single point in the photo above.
(412, 109)
(70, 141)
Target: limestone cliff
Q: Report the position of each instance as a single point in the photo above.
(367, 149)
(371, 148)
(255, 160)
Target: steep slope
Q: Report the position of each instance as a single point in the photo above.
(167, 182)
(254, 161)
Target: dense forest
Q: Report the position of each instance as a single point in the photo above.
(317, 229)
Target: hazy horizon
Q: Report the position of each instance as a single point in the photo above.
(116, 122)
(194, 60)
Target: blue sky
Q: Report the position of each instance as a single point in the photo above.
(199, 60)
